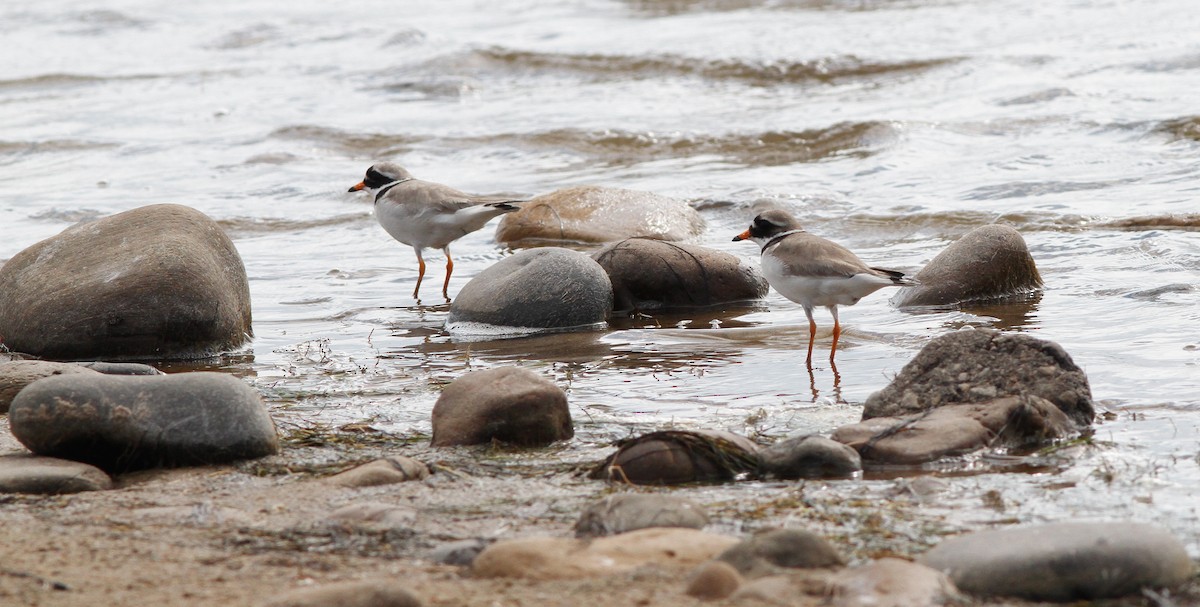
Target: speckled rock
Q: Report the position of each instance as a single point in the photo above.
(989, 262)
(127, 422)
(651, 274)
(542, 289)
(766, 553)
(809, 457)
(632, 511)
(49, 476)
(1063, 561)
(507, 404)
(980, 365)
(673, 457)
(371, 593)
(599, 214)
(385, 471)
(161, 281)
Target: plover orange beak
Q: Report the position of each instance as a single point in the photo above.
(743, 236)
(356, 187)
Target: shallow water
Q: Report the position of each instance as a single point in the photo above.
(891, 127)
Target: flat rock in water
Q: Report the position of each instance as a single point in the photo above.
(989, 262)
(651, 274)
(542, 289)
(673, 457)
(768, 552)
(507, 404)
(385, 471)
(1011, 421)
(599, 214)
(892, 582)
(122, 423)
(1063, 561)
(809, 457)
(49, 476)
(980, 365)
(378, 593)
(632, 511)
(161, 281)
(549, 558)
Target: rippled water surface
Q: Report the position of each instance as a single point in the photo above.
(892, 127)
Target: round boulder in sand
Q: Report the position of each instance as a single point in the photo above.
(160, 281)
(509, 404)
(122, 423)
(651, 274)
(989, 262)
(599, 214)
(549, 288)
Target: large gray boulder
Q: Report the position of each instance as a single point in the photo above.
(599, 214)
(508, 404)
(119, 423)
(651, 274)
(540, 289)
(1063, 561)
(156, 282)
(989, 262)
(982, 365)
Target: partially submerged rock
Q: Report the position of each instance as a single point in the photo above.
(768, 552)
(989, 262)
(651, 274)
(673, 457)
(1063, 561)
(808, 456)
(981, 365)
(541, 289)
(599, 214)
(507, 404)
(49, 476)
(626, 512)
(161, 281)
(121, 423)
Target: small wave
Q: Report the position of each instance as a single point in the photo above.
(759, 73)
(1182, 221)
(662, 8)
(1029, 189)
(370, 144)
(50, 146)
(249, 225)
(1182, 128)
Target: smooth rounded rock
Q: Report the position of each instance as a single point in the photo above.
(49, 476)
(1063, 561)
(161, 282)
(809, 457)
(17, 374)
(980, 365)
(651, 274)
(599, 214)
(892, 582)
(989, 262)
(372, 593)
(765, 553)
(541, 289)
(508, 404)
(673, 457)
(385, 471)
(631, 511)
(713, 580)
(121, 423)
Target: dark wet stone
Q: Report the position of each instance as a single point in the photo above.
(713, 580)
(809, 457)
(547, 288)
(1063, 561)
(508, 404)
(765, 553)
(160, 281)
(121, 423)
(461, 553)
(653, 275)
(631, 511)
(49, 476)
(599, 214)
(371, 593)
(385, 471)
(673, 457)
(989, 262)
(980, 365)
(108, 368)
(1009, 422)
(17, 374)
(892, 582)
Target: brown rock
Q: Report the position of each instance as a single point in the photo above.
(651, 274)
(375, 593)
(765, 553)
(508, 404)
(713, 580)
(49, 476)
(988, 262)
(892, 582)
(599, 214)
(673, 457)
(626, 512)
(17, 374)
(395, 469)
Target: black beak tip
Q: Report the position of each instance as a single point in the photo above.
(352, 190)
(736, 238)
